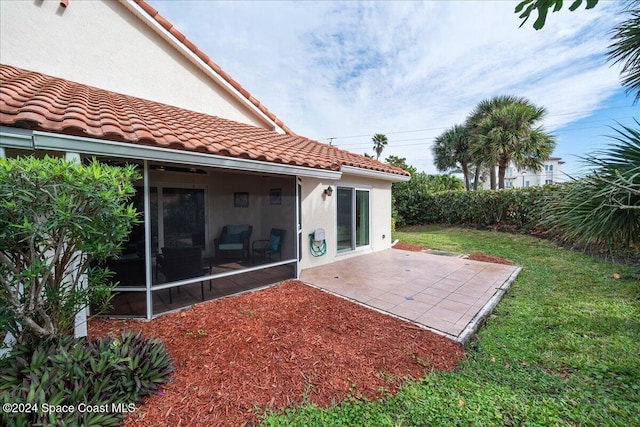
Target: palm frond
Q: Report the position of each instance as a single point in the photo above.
(625, 49)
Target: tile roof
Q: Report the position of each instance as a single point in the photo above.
(168, 26)
(40, 102)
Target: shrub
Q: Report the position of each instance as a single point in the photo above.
(519, 208)
(603, 208)
(107, 375)
(56, 218)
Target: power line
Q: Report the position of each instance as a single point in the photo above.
(366, 144)
(442, 128)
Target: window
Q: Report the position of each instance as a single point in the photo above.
(527, 183)
(509, 172)
(509, 184)
(548, 181)
(548, 168)
(352, 219)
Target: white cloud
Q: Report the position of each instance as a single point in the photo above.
(350, 68)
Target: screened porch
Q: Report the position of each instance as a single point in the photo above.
(204, 233)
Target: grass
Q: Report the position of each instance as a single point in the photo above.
(561, 348)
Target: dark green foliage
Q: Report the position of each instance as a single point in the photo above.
(408, 197)
(56, 218)
(543, 7)
(603, 208)
(518, 208)
(625, 49)
(81, 374)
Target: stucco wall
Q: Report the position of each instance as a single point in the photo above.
(102, 44)
(319, 211)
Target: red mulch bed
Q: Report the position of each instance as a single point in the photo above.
(271, 347)
(476, 256)
(488, 258)
(408, 247)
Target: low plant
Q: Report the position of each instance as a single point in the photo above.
(73, 381)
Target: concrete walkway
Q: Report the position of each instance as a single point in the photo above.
(448, 295)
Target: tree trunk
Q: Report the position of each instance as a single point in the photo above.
(465, 171)
(492, 176)
(502, 169)
(477, 178)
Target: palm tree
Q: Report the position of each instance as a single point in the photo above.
(482, 154)
(505, 130)
(626, 49)
(379, 142)
(451, 150)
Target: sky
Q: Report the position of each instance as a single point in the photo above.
(341, 71)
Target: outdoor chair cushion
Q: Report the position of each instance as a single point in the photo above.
(274, 242)
(230, 246)
(233, 241)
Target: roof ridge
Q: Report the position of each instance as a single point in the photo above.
(171, 29)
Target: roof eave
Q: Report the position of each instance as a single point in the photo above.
(39, 140)
(369, 173)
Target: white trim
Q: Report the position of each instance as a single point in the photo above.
(141, 14)
(148, 269)
(368, 173)
(52, 141)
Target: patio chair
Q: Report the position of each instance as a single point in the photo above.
(180, 264)
(233, 242)
(270, 246)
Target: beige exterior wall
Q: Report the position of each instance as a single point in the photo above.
(102, 44)
(319, 211)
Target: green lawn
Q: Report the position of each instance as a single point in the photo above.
(561, 348)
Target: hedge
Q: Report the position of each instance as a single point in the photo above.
(519, 208)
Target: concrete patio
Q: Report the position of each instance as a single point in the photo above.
(449, 295)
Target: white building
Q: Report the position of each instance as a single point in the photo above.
(516, 178)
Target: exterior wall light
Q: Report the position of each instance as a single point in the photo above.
(328, 191)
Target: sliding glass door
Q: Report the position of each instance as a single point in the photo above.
(183, 217)
(362, 218)
(353, 215)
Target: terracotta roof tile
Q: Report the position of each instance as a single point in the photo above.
(57, 105)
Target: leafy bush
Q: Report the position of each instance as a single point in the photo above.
(407, 196)
(94, 382)
(56, 218)
(519, 208)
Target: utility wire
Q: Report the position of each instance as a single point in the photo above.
(366, 144)
(442, 128)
